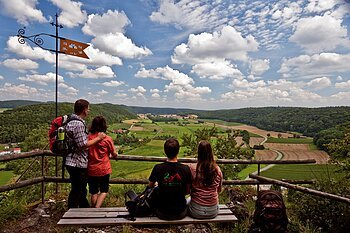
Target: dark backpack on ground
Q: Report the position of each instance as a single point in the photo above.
(141, 205)
(270, 213)
(61, 141)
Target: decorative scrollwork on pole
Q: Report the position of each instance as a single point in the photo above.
(35, 39)
(20, 35)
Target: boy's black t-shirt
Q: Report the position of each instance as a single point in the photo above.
(172, 179)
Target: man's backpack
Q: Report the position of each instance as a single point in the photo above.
(270, 213)
(61, 140)
(141, 205)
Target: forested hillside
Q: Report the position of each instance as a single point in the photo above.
(308, 121)
(17, 103)
(15, 124)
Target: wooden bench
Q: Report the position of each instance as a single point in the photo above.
(109, 216)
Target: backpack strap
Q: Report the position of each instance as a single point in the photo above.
(71, 118)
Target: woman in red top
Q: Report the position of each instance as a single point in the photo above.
(99, 166)
(206, 184)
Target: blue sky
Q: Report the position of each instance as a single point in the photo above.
(183, 54)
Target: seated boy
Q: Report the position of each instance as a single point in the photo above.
(174, 181)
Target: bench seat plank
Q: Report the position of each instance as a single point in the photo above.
(114, 214)
(140, 221)
(121, 209)
(109, 216)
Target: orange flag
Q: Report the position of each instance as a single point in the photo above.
(74, 48)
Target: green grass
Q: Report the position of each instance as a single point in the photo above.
(250, 169)
(253, 135)
(5, 177)
(290, 140)
(4, 109)
(221, 122)
(302, 171)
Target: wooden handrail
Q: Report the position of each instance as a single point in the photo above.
(5, 158)
(301, 189)
(37, 180)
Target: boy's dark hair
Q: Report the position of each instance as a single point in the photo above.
(171, 148)
(80, 105)
(98, 125)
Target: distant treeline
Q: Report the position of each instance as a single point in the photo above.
(308, 121)
(15, 124)
(17, 103)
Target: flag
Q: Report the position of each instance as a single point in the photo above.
(74, 48)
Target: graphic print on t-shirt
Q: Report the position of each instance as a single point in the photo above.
(173, 180)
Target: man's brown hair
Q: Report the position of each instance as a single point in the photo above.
(171, 148)
(80, 105)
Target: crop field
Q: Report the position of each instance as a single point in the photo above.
(5, 177)
(221, 122)
(299, 151)
(261, 132)
(302, 171)
(290, 140)
(265, 155)
(4, 109)
(253, 141)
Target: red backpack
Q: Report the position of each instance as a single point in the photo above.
(61, 140)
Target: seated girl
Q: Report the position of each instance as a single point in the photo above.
(206, 184)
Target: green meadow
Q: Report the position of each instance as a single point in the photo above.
(4, 109)
(5, 177)
(303, 171)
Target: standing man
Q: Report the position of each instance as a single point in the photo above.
(174, 179)
(76, 162)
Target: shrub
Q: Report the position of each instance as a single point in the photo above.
(324, 214)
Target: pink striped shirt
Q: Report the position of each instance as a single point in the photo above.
(205, 195)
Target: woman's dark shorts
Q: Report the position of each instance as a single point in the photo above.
(98, 184)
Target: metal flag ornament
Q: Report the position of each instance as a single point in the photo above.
(74, 48)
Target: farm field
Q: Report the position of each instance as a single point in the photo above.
(265, 155)
(290, 140)
(299, 151)
(302, 171)
(4, 109)
(5, 177)
(253, 141)
(261, 132)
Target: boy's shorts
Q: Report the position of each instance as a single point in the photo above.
(98, 184)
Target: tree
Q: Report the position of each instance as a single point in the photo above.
(37, 139)
(245, 137)
(339, 150)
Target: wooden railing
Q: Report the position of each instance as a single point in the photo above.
(257, 180)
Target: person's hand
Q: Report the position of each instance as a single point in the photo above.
(101, 135)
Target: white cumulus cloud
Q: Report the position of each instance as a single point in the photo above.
(112, 83)
(259, 66)
(216, 70)
(319, 83)
(100, 72)
(20, 65)
(224, 44)
(71, 14)
(119, 45)
(24, 11)
(109, 22)
(320, 34)
(343, 85)
(42, 79)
